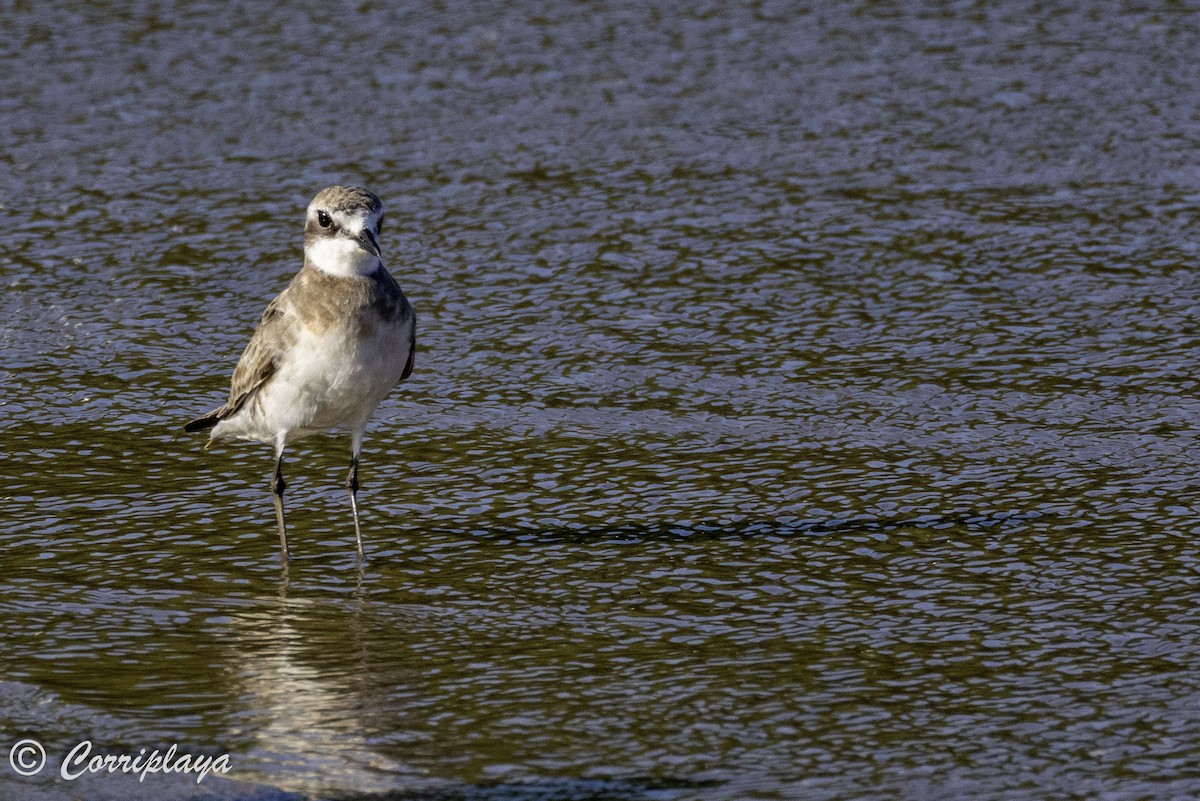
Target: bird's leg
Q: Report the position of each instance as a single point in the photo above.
(277, 487)
(352, 485)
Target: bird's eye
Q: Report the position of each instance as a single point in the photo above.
(323, 219)
(379, 226)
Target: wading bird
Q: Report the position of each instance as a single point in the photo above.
(328, 349)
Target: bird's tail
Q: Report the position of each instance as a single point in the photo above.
(203, 423)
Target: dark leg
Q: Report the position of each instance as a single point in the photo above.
(352, 485)
(277, 487)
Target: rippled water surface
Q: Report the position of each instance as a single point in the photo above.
(805, 404)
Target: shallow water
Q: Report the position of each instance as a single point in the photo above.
(804, 403)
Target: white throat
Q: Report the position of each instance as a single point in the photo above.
(341, 257)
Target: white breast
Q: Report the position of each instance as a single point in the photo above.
(331, 380)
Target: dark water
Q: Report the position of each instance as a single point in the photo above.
(804, 409)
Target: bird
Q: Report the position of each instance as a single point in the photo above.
(327, 349)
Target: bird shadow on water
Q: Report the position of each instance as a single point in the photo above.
(305, 567)
(700, 531)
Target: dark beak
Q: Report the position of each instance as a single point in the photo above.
(366, 241)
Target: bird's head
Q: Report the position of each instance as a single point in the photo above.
(341, 231)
